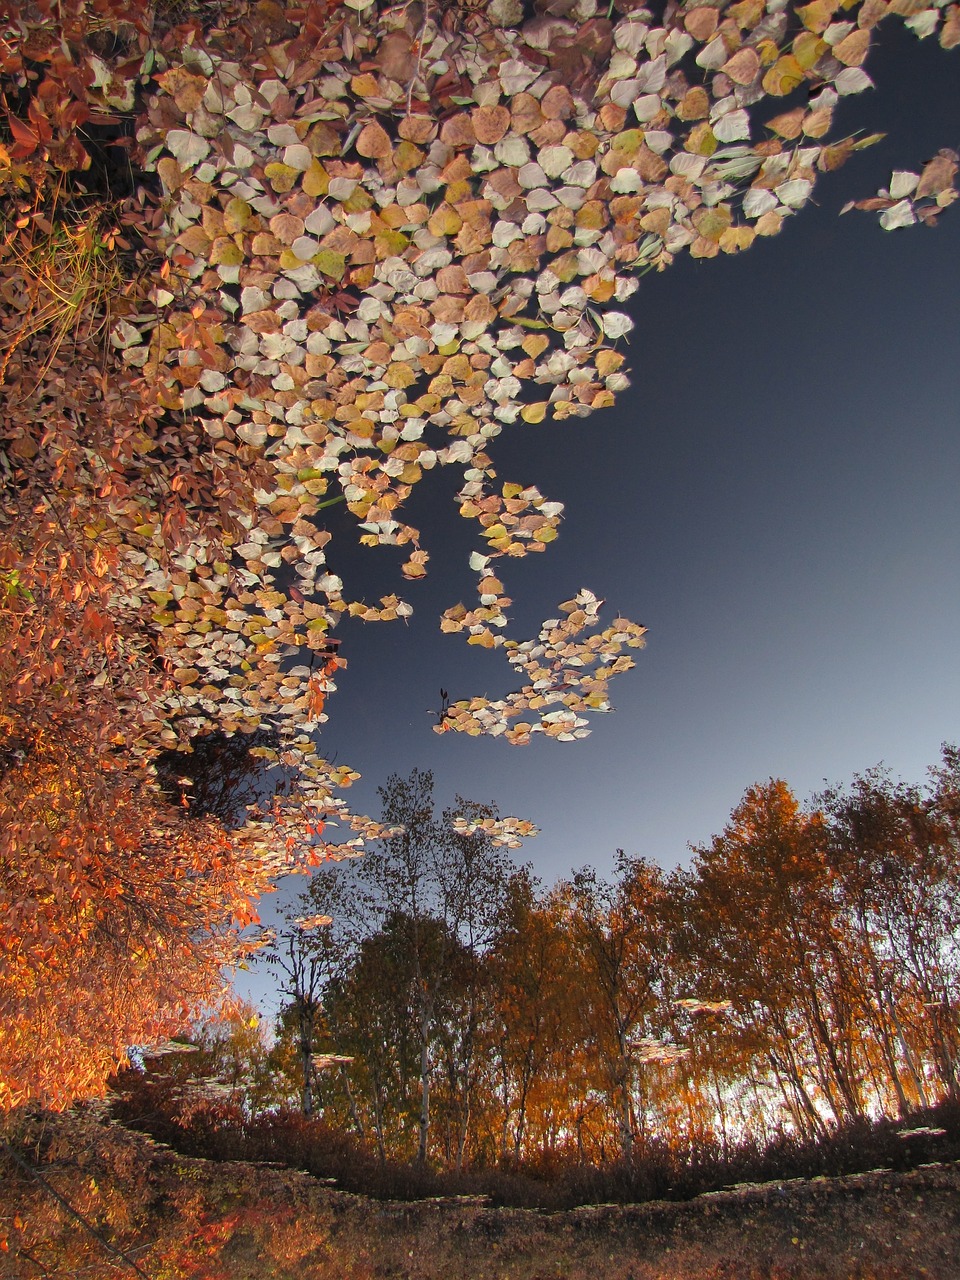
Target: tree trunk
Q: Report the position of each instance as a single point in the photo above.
(306, 1019)
(425, 1021)
(352, 1102)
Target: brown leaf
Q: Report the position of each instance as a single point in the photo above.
(396, 57)
(286, 227)
(950, 33)
(525, 113)
(852, 49)
(789, 124)
(937, 175)
(490, 124)
(816, 123)
(701, 23)
(458, 131)
(695, 104)
(744, 67)
(373, 141)
(184, 87)
(557, 103)
(416, 128)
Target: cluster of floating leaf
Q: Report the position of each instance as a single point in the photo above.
(507, 832)
(395, 232)
(647, 1049)
(564, 674)
(914, 197)
(691, 1004)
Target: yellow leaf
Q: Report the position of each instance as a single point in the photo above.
(534, 344)
(399, 375)
(281, 176)
(808, 49)
(329, 263)
(445, 221)
(316, 180)
(237, 215)
(783, 77)
(365, 85)
(609, 362)
(817, 15)
(534, 412)
(736, 238)
(700, 141)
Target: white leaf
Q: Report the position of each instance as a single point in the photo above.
(512, 150)
(124, 335)
(647, 106)
(652, 75)
(732, 127)
(616, 323)
(758, 201)
(626, 182)
(187, 148)
(923, 24)
(254, 433)
(900, 215)
(903, 183)
(624, 92)
(713, 55)
(852, 80)
(581, 174)
(515, 76)
(795, 192)
(532, 174)
(553, 161)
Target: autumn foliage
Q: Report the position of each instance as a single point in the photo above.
(257, 260)
(796, 982)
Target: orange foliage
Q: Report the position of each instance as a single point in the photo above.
(118, 913)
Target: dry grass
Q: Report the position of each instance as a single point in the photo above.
(59, 267)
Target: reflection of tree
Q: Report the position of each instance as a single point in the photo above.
(299, 959)
(801, 973)
(220, 777)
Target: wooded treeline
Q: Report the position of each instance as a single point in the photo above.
(801, 973)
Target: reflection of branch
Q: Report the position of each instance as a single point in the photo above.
(25, 1253)
(416, 71)
(84, 1222)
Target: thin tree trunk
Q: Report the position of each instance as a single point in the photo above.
(306, 1019)
(352, 1102)
(425, 1021)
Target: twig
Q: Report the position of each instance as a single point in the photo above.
(416, 71)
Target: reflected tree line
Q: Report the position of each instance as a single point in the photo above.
(801, 973)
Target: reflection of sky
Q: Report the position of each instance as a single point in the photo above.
(775, 498)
